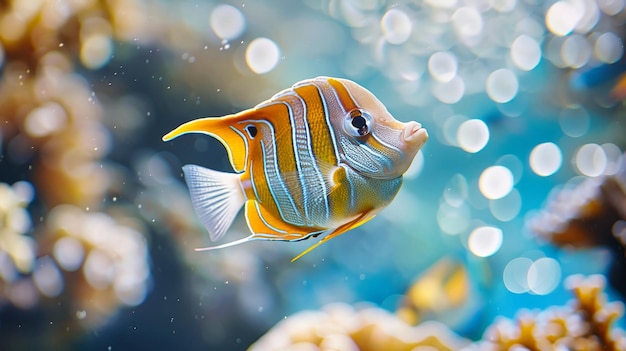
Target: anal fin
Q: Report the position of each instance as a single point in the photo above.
(364, 217)
(266, 226)
(216, 196)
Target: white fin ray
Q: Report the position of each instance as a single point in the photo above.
(232, 243)
(216, 196)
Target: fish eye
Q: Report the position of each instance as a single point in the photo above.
(358, 123)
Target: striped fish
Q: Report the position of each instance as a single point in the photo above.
(319, 158)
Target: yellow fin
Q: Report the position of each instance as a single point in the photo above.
(266, 226)
(224, 130)
(335, 233)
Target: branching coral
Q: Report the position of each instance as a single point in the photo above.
(585, 324)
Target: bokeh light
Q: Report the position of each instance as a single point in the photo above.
(453, 219)
(449, 92)
(262, 55)
(506, 208)
(69, 253)
(545, 159)
(96, 51)
(515, 275)
(614, 156)
(513, 164)
(611, 7)
(608, 48)
(485, 241)
(467, 22)
(574, 121)
(562, 17)
(456, 191)
(575, 51)
(473, 135)
(442, 66)
(525, 52)
(495, 182)
(591, 160)
(47, 277)
(502, 85)
(538, 277)
(396, 26)
(46, 119)
(227, 22)
(544, 275)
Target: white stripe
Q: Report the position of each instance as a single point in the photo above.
(331, 131)
(256, 194)
(278, 189)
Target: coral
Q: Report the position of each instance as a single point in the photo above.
(342, 327)
(575, 216)
(103, 261)
(92, 260)
(48, 112)
(53, 134)
(589, 214)
(17, 250)
(585, 324)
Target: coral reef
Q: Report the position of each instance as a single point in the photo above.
(342, 327)
(589, 214)
(584, 215)
(586, 323)
(54, 135)
(17, 250)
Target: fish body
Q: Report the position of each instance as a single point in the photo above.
(321, 157)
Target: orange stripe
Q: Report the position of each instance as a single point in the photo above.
(321, 138)
(344, 96)
(278, 116)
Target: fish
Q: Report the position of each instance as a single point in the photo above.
(317, 159)
(452, 290)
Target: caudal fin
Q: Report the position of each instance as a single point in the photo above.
(216, 196)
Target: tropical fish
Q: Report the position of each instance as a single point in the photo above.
(319, 158)
(451, 291)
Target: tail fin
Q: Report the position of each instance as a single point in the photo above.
(216, 196)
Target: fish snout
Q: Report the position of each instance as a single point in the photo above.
(414, 133)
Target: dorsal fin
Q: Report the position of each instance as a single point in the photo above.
(224, 130)
(231, 131)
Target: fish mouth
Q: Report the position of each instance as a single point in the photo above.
(414, 133)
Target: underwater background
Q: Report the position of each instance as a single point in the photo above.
(509, 231)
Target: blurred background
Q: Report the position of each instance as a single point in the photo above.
(512, 215)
